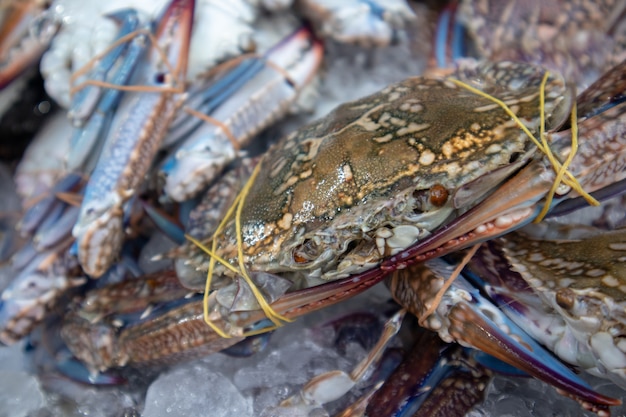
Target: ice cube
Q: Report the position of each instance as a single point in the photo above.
(20, 394)
(194, 389)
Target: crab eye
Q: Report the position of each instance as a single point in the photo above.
(438, 195)
(428, 199)
(305, 252)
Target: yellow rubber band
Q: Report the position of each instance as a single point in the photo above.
(562, 174)
(236, 209)
(269, 312)
(176, 89)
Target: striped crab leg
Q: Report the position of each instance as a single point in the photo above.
(142, 120)
(154, 319)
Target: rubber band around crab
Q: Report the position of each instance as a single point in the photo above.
(175, 89)
(562, 174)
(560, 170)
(235, 208)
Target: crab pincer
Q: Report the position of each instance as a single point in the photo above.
(141, 121)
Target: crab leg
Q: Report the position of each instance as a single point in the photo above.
(143, 119)
(332, 385)
(154, 319)
(414, 386)
(35, 215)
(435, 378)
(466, 317)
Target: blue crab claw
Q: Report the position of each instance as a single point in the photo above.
(85, 101)
(208, 98)
(92, 107)
(24, 37)
(298, 55)
(240, 103)
(135, 136)
(174, 27)
(53, 359)
(463, 315)
(128, 323)
(36, 286)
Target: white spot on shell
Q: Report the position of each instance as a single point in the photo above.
(493, 149)
(610, 281)
(595, 272)
(285, 222)
(347, 172)
(427, 158)
(413, 128)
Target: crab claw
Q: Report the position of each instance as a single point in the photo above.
(465, 316)
(244, 100)
(19, 48)
(141, 122)
(174, 27)
(123, 56)
(129, 323)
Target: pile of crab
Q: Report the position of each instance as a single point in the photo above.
(422, 185)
